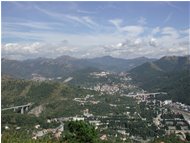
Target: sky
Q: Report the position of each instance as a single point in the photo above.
(94, 29)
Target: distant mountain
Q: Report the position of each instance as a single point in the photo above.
(65, 65)
(173, 63)
(170, 74)
(116, 64)
(160, 67)
(61, 66)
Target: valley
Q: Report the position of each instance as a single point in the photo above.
(95, 71)
(119, 109)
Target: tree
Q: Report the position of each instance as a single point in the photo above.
(81, 132)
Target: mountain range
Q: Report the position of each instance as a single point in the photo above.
(65, 65)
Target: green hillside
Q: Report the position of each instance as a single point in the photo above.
(169, 74)
(55, 96)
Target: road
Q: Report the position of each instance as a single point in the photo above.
(185, 114)
(15, 107)
(68, 79)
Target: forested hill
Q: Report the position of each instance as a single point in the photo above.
(170, 74)
(56, 98)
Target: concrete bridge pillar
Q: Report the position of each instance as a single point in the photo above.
(26, 108)
(22, 110)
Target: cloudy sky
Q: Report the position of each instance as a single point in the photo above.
(91, 29)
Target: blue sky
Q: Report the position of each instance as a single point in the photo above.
(90, 29)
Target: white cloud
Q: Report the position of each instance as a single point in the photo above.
(36, 49)
(86, 12)
(171, 4)
(14, 48)
(116, 22)
(34, 25)
(185, 31)
(155, 30)
(74, 39)
(84, 20)
(168, 18)
(80, 32)
(121, 40)
(133, 30)
(142, 21)
(170, 32)
(130, 30)
(170, 42)
(153, 42)
(87, 21)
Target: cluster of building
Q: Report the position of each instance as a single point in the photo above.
(38, 77)
(100, 74)
(173, 117)
(178, 105)
(112, 83)
(56, 132)
(86, 99)
(112, 88)
(106, 88)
